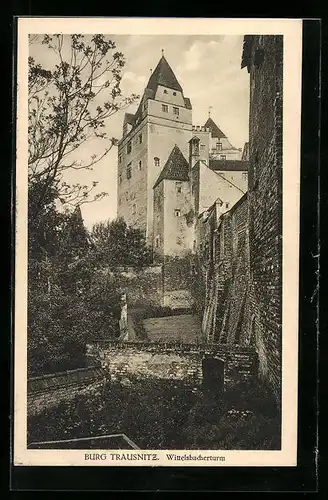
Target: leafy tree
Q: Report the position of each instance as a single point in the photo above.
(117, 244)
(68, 107)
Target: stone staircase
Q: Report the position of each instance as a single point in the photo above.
(183, 328)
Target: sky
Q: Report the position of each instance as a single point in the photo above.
(207, 68)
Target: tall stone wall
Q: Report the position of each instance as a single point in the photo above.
(222, 274)
(177, 282)
(265, 64)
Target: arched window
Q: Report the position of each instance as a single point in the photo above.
(156, 161)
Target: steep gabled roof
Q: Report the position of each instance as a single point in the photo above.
(247, 50)
(175, 169)
(226, 165)
(215, 131)
(163, 75)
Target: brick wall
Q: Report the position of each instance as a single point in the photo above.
(221, 282)
(171, 361)
(177, 282)
(265, 204)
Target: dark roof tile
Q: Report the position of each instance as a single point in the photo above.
(129, 118)
(163, 75)
(226, 165)
(215, 131)
(176, 168)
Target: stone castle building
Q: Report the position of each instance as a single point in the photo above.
(169, 170)
(216, 233)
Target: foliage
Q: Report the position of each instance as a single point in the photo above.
(68, 106)
(70, 297)
(162, 415)
(118, 244)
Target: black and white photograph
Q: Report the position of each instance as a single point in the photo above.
(156, 246)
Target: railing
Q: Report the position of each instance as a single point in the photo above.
(53, 381)
(84, 441)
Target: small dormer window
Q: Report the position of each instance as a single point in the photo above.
(156, 161)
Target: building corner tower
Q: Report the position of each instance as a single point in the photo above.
(162, 121)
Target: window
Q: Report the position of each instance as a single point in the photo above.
(120, 158)
(165, 108)
(126, 196)
(178, 187)
(156, 161)
(120, 179)
(139, 138)
(157, 242)
(128, 171)
(165, 91)
(219, 146)
(139, 165)
(177, 212)
(175, 110)
(227, 205)
(244, 176)
(202, 147)
(223, 157)
(174, 93)
(129, 147)
(134, 208)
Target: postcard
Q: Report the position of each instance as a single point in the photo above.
(157, 242)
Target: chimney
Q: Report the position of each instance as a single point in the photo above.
(193, 151)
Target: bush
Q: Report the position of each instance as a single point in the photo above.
(158, 415)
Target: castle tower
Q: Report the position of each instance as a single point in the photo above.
(162, 120)
(220, 147)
